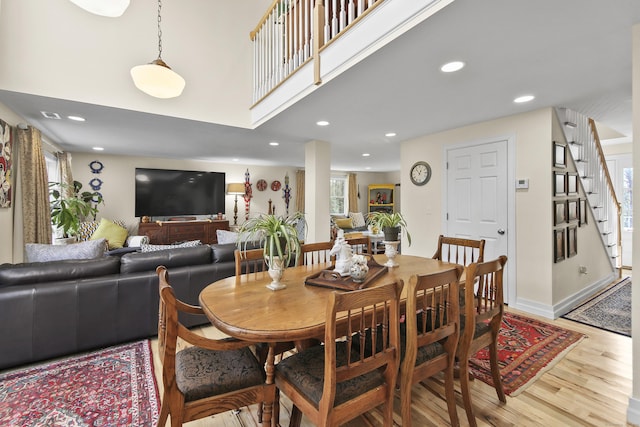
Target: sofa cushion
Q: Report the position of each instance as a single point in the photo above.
(36, 252)
(358, 219)
(344, 223)
(52, 271)
(115, 234)
(170, 258)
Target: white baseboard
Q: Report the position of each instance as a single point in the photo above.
(633, 412)
(534, 307)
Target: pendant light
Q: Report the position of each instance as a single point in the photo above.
(156, 78)
(109, 8)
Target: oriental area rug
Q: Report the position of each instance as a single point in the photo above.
(110, 387)
(609, 310)
(526, 349)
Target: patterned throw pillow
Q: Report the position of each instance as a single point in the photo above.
(153, 248)
(87, 228)
(358, 219)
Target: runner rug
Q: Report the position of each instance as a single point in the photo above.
(609, 310)
(111, 387)
(526, 349)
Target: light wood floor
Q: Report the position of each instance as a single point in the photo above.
(590, 386)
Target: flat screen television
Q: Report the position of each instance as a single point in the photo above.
(163, 192)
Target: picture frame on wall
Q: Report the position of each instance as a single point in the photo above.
(572, 183)
(559, 245)
(572, 210)
(572, 241)
(559, 212)
(559, 155)
(560, 183)
(582, 212)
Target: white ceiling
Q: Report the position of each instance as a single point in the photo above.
(569, 53)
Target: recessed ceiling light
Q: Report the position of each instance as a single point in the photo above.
(368, 167)
(76, 118)
(365, 154)
(390, 134)
(322, 123)
(98, 148)
(274, 143)
(450, 67)
(524, 98)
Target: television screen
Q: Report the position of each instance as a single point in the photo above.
(162, 192)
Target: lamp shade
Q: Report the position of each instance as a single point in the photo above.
(109, 8)
(157, 79)
(235, 188)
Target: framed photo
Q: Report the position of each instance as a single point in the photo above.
(559, 244)
(572, 209)
(560, 183)
(572, 183)
(582, 212)
(572, 241)
(559, 155)
(559, 212)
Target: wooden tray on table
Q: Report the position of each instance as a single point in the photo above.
(331, 279)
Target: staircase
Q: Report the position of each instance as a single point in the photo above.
(585, 149)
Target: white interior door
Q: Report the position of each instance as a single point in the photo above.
(477, 196)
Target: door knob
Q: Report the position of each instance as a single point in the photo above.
(501, 231)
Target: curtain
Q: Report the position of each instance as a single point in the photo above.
(64, 165)
(300, 190)
(35, 187)
(353, 193)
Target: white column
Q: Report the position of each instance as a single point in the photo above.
(633, 412)
(317, 167)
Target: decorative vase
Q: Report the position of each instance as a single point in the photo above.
(359, 272)
(391, 250)
(276, 270)
(391, 233)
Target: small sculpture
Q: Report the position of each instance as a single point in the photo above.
(343, 252)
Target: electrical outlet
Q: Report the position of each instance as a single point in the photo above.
(582, 269)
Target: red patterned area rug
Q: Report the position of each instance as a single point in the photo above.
(111, 387)
(526, 349)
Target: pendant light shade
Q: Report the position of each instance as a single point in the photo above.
(157, 78)
(109, 8)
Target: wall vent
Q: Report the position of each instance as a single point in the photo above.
(49, 115)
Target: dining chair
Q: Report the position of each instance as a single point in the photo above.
(360, 245)
(459, 251)
(207, 376)
(316, 253)
(431, 336)
(334, 383)
(480, 323)
(250, 262)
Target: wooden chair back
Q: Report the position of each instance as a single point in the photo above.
(350, 316)
(459, 251)
(316, 253)
(250, 262)
(172, 335)
(360, 245)
(481, 319)
(432, 322)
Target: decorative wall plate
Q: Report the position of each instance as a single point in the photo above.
(96, 166)
(261, 185)
(95, 184)
(275, 185)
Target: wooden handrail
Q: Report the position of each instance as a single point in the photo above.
(252, 34)
(603, 164)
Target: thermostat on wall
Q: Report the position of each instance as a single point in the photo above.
(522, 183)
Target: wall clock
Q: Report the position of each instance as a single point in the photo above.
(420, 173)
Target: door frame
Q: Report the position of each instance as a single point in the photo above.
(511, 265)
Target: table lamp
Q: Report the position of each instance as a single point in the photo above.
(235, 188)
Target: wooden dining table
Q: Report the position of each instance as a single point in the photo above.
(244, 308)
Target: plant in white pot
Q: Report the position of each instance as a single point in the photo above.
(278, 235)
(391, 224)
(70, 206)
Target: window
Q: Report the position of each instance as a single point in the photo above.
(627, 199)
(338, 195)
(52, 167)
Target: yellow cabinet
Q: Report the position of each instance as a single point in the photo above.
(381, 198)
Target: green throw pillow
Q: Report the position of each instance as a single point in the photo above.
(115, 234)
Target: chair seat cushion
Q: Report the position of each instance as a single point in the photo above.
(481, 327)
(201, 373)
(305, 370)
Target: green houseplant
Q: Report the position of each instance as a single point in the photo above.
(70, 206)
(278, 235)
(391, 224)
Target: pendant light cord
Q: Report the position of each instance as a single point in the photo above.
(159, 30)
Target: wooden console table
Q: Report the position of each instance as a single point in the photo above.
(168, 232)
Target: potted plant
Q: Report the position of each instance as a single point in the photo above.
(391, 224)
(70, 206)
(278, 235)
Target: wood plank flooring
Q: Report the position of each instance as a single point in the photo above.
(590, 386)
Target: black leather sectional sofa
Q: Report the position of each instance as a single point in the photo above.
(56, 308)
